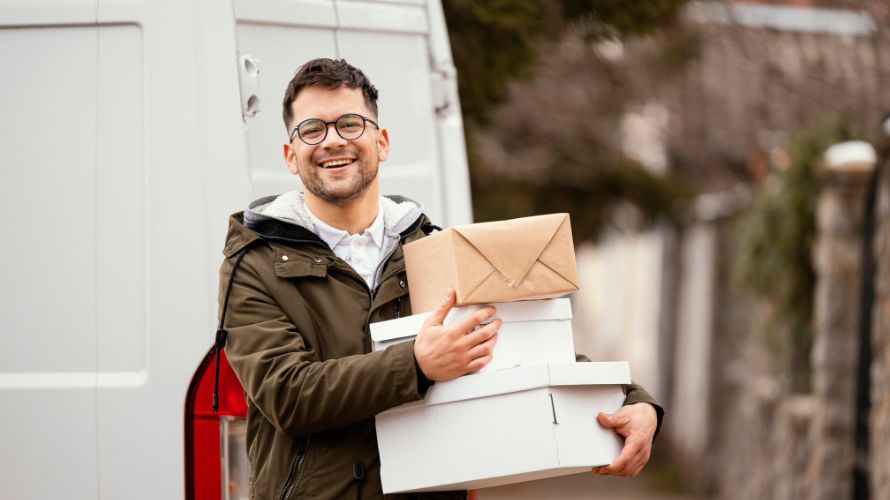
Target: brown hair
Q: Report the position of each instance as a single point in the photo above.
(330, 74)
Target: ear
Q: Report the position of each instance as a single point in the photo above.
(382, 145)
(290, 157)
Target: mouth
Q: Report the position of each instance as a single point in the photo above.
(336, 163)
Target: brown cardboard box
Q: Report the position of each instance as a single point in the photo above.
(527, 258)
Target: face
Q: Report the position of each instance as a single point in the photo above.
(336, 171)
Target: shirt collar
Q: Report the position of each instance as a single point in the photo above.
(333, 236)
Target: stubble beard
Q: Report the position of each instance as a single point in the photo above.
(360, 182)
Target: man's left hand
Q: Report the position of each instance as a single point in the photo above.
(637, 423)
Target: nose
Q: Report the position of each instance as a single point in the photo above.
(332, 137)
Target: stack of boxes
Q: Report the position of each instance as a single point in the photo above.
(531, 412)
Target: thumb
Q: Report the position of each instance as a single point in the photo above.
(437, 317)
(609, 419)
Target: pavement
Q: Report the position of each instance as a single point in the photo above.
(582, 486)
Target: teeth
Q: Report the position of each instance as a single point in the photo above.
(335, 163)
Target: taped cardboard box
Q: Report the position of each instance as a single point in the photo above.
(518, 259)
(533, 332)
(501, 428)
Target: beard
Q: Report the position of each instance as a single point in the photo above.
(342, 191)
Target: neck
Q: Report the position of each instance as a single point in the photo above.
(353, 216)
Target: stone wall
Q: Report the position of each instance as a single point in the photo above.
(838, 263)
(880, 373)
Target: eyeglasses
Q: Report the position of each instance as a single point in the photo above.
(315, 130)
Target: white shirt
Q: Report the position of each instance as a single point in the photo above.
(363, 251)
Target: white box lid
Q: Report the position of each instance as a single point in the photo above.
(480, 385)
(523, 310)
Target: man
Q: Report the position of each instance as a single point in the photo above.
(316, 268)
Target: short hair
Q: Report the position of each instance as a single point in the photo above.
(330, 74)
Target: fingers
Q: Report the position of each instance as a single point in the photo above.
(478, 363)
(627, 453)
(630, 461)
(470, 323)
(438, 315)
(447, 352)
(483, 348)
(481, 335)
(613, 420)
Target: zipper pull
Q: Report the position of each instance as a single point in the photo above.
(358, 474)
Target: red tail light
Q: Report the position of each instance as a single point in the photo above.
(216, 466)
(215, 450)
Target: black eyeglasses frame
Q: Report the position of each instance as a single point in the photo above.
(327, 125)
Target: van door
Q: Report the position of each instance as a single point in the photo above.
(388, 41)
(49, 285)
(280, 35)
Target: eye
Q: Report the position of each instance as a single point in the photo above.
(312, 128)
(350, 123)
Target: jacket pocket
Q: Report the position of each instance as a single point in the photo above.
(296, 469)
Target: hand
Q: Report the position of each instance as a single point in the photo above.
(444, 353)
(637, 423)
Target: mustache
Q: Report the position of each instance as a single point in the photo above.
(328, 155)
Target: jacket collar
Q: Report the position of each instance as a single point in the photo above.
(399, 212)
(252, 225)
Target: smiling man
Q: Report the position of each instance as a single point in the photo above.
(309, 270)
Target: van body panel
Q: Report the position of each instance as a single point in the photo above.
(124, 151)
(49, 307)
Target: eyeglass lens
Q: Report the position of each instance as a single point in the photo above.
(314, 131)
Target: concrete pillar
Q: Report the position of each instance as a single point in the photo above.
(793, 448)
(838, 263)
(879, 420)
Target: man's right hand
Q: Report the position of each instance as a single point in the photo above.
(444, 353)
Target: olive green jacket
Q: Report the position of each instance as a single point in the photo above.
(299, 342)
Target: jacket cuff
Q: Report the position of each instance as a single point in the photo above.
(423, 383)
(636, 394)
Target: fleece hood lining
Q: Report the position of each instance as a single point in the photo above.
(398, 212)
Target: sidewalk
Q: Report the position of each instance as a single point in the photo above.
(660, 480)
(581, 486)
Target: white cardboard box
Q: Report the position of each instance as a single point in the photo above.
(533, 332)
(500, 428)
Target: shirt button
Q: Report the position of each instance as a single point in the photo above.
(284, 258)
(402, 283)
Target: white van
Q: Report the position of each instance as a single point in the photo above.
(130, 130)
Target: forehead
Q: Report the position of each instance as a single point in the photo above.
(327, 104)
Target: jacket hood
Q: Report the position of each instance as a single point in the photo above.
(399, 212)
(285, 217)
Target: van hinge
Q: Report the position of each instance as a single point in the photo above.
(553, 409)
(444, 83)
(248, 73)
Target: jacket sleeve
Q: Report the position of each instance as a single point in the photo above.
(283, 377)
(636, 394)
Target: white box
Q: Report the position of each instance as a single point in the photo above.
(533, 332)
(500, 428)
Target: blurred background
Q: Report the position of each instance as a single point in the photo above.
(722, 252)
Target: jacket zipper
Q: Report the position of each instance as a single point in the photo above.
(383, 261)
(295, 470)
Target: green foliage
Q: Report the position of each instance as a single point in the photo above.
(776, 238)
(560, 132)
(495, 42)
(622, 18)
(591, 201)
